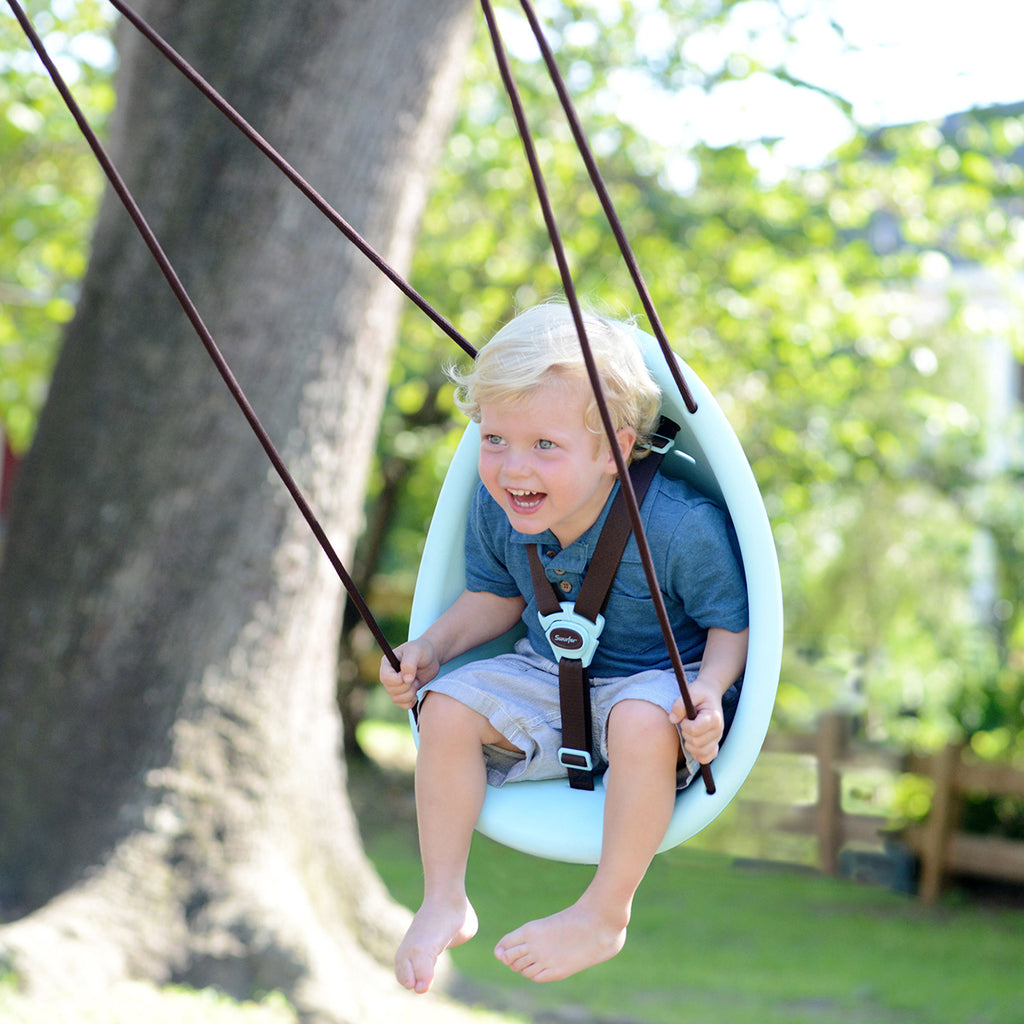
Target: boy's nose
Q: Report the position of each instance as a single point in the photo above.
(516, 465)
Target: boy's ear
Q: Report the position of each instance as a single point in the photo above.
(626, 438)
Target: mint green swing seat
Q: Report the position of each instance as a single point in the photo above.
(549, 819)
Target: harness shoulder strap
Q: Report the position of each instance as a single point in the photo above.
(572, 640)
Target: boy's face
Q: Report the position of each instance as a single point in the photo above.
(542, 465)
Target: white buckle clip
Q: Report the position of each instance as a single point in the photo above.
(571, 635)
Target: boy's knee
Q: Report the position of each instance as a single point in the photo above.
(641, 726)
(440, 711)
(447, 717)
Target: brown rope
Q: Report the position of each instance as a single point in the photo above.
(123, 193)
(543, 197)
(587, 155)
(293, 175)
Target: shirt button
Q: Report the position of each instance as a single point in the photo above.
(559, 572)
(550, 554)
(566, 586)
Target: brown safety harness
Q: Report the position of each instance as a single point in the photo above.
(573, 629)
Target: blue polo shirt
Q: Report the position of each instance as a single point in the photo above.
(695, 559)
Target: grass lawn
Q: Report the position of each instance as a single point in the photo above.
(715, 943)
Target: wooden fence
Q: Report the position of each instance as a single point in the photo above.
(940, 847)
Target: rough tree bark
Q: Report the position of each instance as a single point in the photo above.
(172, 796)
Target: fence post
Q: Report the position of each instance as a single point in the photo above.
(938, 827)
(831, 743)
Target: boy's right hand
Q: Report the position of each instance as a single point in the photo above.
(419, 664)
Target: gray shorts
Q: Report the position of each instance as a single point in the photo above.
(518, 694)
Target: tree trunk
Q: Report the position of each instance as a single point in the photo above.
(172, 795)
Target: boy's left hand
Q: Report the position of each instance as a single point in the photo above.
(702, 734)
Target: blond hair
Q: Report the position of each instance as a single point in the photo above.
(541, 345)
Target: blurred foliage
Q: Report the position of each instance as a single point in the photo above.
(51, 186)
(845, 316)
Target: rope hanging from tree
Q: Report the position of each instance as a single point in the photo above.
(180, 293)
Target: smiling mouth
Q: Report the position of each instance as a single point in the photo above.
(524, 501)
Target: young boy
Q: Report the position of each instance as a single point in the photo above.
(547, 478)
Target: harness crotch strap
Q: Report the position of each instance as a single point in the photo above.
(573, 629)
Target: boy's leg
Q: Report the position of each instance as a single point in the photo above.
(450, 787)
(643, 750)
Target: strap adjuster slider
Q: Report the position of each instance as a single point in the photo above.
(569, 757)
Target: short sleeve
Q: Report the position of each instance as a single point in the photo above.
(705, 571)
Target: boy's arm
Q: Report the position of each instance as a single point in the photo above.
(725, 657)
(476, 617)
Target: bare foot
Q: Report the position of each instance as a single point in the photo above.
(433, 930)
(567, 942)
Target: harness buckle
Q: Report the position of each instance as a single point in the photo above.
(570, 634)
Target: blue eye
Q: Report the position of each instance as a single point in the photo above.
(545, 445)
